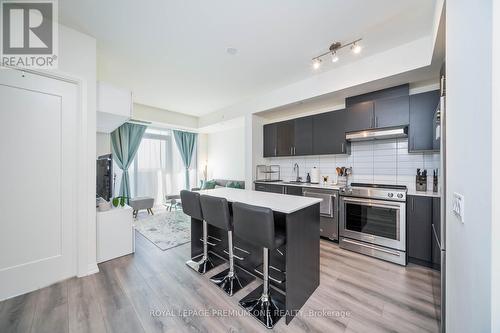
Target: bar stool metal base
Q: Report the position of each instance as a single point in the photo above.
(232, 284)
(268, 310)
(203, 266)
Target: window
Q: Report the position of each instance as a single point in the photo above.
(157, 169)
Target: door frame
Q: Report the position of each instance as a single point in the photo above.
(85, 235)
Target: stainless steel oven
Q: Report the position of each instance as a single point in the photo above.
(329, 226)
(372, 221)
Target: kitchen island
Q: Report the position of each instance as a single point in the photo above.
(295, 266)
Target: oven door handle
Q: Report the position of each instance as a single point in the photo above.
(373, 203)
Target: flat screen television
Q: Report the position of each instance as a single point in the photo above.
(104, 175)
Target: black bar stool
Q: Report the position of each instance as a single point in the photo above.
(256, 225)
(216, 212)
(191, 206)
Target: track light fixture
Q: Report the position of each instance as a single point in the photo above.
(334, 48)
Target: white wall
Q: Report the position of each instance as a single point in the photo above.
(77, 59)
(103, 144)
(254, 144)
(226, 154)
(495, 150)
(469, 166)
(165, 117)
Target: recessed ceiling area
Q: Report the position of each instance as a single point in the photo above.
(196, 57)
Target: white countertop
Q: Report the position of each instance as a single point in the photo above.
(328, 186)
(277, 202)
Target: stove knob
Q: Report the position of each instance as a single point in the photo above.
(390, 195)
(400, 195)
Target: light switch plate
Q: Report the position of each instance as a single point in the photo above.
(459, 206)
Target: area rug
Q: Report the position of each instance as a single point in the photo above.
(165, 229)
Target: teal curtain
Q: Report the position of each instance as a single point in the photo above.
(125, 142)
(185, 143)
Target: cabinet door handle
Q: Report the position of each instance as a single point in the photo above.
(294, 150)
(376, 121)
(274, 151)
(291, 150)
(342, 147)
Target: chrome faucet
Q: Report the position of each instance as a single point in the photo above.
(296, 168)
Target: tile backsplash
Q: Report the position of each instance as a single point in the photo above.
(382, 162)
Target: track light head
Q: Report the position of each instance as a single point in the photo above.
(335, 57)
(316, 63)
(356, 48)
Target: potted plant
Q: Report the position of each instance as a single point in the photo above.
(119, 201)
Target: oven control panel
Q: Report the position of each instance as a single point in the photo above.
(374, 193)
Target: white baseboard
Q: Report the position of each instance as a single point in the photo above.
(92, 269)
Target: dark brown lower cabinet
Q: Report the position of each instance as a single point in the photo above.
(294, 190)
(273, 188)
(421, 213)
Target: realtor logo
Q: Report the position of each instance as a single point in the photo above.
(29, 33)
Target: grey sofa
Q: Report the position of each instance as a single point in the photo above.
(223, 183)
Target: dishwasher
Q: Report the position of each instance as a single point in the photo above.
(329, 223)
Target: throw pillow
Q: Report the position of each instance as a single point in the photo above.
(234, 185)
(208, 185)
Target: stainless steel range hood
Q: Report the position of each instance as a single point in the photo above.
(378, 134)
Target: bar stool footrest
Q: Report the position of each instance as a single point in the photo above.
(212, 241)
(281, 250)
(275, 274)
(238, 253)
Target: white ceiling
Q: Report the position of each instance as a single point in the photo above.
(172, 54)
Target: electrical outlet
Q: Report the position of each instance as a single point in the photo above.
(458, 206)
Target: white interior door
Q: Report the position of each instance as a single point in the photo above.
(38, 150)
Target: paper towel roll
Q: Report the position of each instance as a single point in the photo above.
(315, 175)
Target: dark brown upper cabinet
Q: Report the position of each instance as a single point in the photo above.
(270, 140)
(329, 133)
(422, 122)
(279, 139)
(303, 136)
(378, 109)
(380, 113)
(389, 112)
(285, 138)
(359, 116)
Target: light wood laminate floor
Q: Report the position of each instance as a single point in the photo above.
(356, 294)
